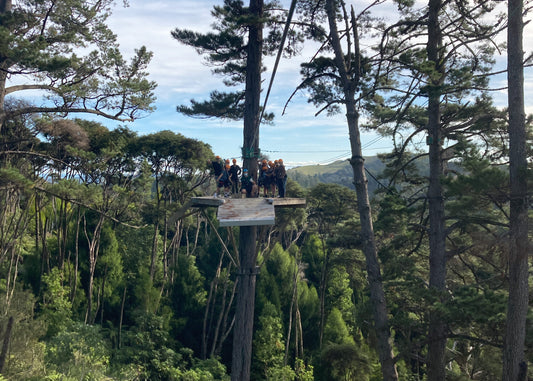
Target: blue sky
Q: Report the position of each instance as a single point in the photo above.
(297, 136)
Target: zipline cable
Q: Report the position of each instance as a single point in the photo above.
(278, 57)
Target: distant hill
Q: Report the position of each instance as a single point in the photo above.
(338, 172)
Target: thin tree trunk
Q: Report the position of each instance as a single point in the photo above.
(5, 344)
(224, 326)
(377, 294)
(155, 245)
(101, 297)
(76, 257)
(323, 282)
(514, 361)
(220, 318)
(155, 240)
(209, 308)
(94, 248)
(289, 326)
(121, 317)
(437, 234)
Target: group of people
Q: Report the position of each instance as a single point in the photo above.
(232, 180)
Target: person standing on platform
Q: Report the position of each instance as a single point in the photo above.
(271, 179)
(281, 178)
(248, 186)
(234, 173)
(218, 166)
(223, 181)
(262, 178)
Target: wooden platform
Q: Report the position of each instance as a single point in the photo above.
(246, 211)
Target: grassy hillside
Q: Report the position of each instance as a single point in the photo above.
(339, 172)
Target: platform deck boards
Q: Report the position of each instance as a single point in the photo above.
(247, 211)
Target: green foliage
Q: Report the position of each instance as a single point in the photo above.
(188, 299)
(149, 346)
(79, 352)
(340, 295)
(329, 205)
(336, 331)
(269, 346)
(25, 359)
(56, 307)
(345, 362)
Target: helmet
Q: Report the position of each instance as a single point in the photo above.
(264, 161)
(227, 161)
(270, 163)
(245, 170)
(280, 161)
(234, 161)
(217, 157)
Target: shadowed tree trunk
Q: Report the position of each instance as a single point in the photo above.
(244, 313)
(514, 361)
(437, 233)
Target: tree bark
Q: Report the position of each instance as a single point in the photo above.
(244, 313)
(437, 233)
(377, 294)
(514, 361)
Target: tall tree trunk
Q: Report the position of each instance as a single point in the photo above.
(377, 294)
(244, 312)
(253, 89)
(437, 233)
(514, 362)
